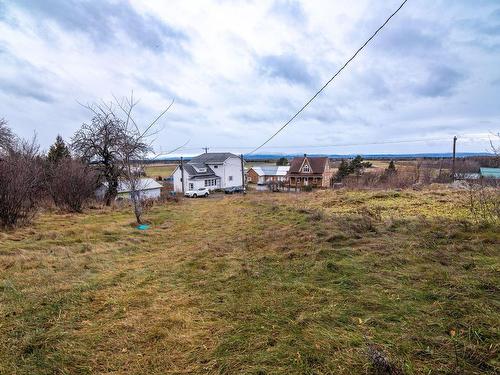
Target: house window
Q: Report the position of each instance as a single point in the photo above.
(230, 178)
(216, 166)
(212, 182)
(191, 186)
(305, 169)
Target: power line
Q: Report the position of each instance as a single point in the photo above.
(330, 80)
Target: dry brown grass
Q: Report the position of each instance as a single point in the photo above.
(262, 284)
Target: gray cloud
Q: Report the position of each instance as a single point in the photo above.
(26, 87)
(28, 80)
(246, 66)
(441, 81)
(410, 37)
(488, 25)
(101, 20)
(163, 89)
(288, 67)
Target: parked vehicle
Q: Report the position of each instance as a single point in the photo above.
(234, 189)
(200, 192)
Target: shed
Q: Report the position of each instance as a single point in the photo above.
(147, 188)
(490, 172)
(263, 174)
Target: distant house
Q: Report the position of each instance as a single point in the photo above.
(309, 171)
(263, 174)
(490, 172)
(147, 188)
(214, 170)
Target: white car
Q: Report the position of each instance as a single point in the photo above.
(200, 192)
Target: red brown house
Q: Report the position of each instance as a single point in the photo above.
(309, 171)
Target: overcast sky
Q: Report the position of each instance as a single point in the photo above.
(239, 69)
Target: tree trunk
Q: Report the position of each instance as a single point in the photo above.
(112, 190)
(137, 207)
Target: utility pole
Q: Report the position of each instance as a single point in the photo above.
(182, 175)
(206, 150)
(242, 173)
(454, 154)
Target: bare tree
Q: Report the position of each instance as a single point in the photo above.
(135, 150)
(100, 143)
(119, 145)
(495, 148)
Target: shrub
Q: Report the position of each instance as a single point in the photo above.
(72, 184)
(484, 201)
(21, 181)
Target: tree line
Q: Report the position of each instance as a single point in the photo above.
(106, 150)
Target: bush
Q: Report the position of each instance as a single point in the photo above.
(484, 201)
(21, 181)
(72, 184)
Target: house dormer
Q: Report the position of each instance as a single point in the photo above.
(306, 166)
(199, 168)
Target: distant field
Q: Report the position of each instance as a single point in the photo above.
(163, 170)
(312, 283)
(380, 163)
(250, 164)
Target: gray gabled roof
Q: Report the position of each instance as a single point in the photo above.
(192, 172)
(142, 184)
(490, 172)
(212, 157)
(271, 170)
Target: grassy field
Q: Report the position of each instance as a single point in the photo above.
(163, 170)
(313, 283)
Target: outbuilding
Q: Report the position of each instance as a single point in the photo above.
(262, 175)
(490, 172)
(147, 188)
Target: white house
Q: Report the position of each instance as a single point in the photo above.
(147, 189)
(214, 170)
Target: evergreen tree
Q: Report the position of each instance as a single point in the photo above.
(282, 161)
(58, 151)
(391, 169)
(356, 165)
(343, 171)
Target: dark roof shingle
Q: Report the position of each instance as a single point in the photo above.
(317, 164)
(194, 173)
(212, 157)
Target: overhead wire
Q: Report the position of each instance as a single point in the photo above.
(330, 80)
